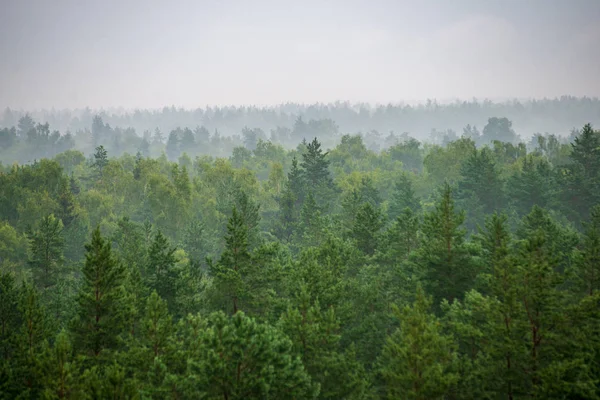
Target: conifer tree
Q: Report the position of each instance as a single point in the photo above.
(60, 380)
(366, 228)
(315, 165)
(587, 265)
(9, 315)
(232, 270)
(46, 252)
(100, 159)
(417, 359)
(101, 300)
(161, 272)
(310, 226)
(240, 358)
(401, 238)
(443, 256)
(315, 334)
(403, 197)
(35, 328)
(533, 185)
(481, 181)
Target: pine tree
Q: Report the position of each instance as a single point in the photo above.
(242, 359)
(533, 185)
(172, 146)
(417, 360)
(100, 159)
(587, 265)
(366, 228)
(310, 227)
(161, 272)
(9, 315)
(315, 335)
(249, 211)
(481, 181)
(101, 300)
(46, 252)
(234, 266)
(194, 240)
(403, 196)
(60, 378)
(581, 190)
(401, 238)
(316, 173)
(443, 255)
(35, 328)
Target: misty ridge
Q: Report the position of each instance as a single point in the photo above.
(216, 131)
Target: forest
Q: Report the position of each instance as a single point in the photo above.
(286, 259)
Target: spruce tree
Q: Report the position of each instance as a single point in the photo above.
(101, 300)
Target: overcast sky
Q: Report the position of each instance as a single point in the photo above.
(144, 53)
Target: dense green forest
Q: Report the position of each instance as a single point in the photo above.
(196, 265)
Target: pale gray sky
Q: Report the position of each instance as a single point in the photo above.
(144, 53)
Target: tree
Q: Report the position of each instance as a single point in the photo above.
(172, 147)
(499, 129)
(101, 300)
(587, 264)
(417, 359)
(443, 256)
(366, 228)
(25, 124)
(481, 182)
(316, 166)
(581, 189)
(533, 185)
(35, 328)
(234, 266)
(100, 159)
(161, 274)
(242, 359)
(315, 335)
(60, 380)
(9, 315)
(403, 196)
(401, 238)
(290, 201)
(46, 246)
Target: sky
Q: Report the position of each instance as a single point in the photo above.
(150, 54)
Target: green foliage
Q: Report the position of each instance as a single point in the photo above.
(417, 360)
(443, 256)
(239, 358)
(101, 300)
(495, 277)
(46, 252)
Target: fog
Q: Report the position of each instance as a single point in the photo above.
(150, 54)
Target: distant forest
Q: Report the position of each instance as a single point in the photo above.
(26, 136)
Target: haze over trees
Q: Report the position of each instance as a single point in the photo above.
(300, 262)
